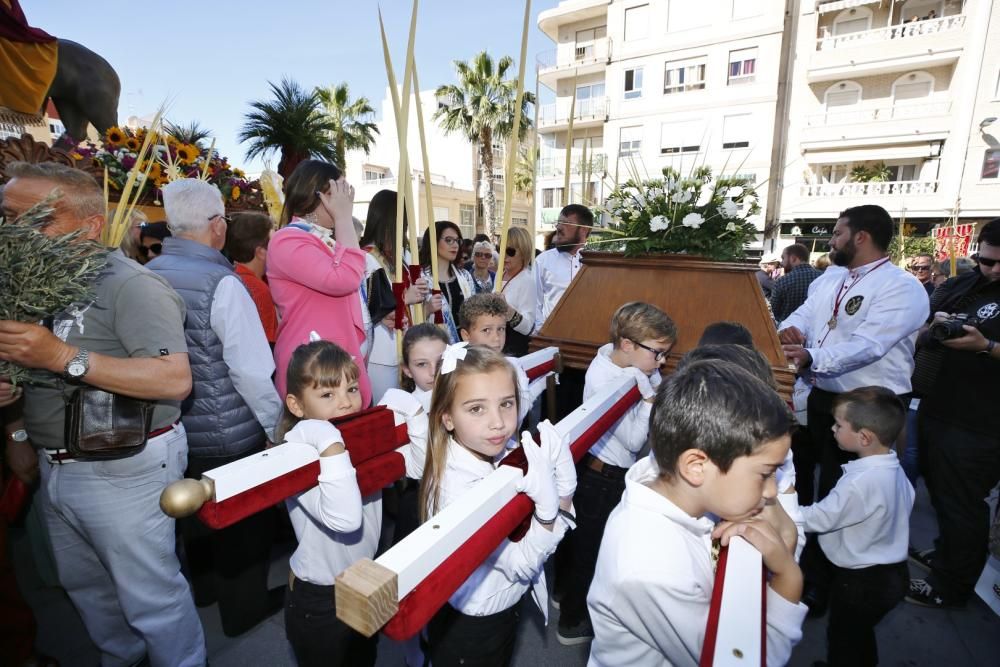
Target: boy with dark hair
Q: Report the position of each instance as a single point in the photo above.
(726, 333)
(864, 524)
(641, 337)
(247, 235)
(718, 434)
(482, 320)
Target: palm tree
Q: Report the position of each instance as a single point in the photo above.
(481, 107)
(352, 131)
(524, 170)
(192, 133)
(292, 123)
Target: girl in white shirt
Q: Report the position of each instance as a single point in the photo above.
(423, 346)
(474, 412)
(335, 526)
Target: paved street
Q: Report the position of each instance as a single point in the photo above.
(908, 636)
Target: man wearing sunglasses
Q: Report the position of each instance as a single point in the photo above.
(959, 426)
(922, 268)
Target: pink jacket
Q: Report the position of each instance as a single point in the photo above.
(316, 289)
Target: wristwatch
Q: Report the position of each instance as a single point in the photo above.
(990, 344)
(20, 435)
(78, 366)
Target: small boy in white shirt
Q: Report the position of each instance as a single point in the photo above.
(864, 524)
(482, 320)
(718, 434)
(641, 337)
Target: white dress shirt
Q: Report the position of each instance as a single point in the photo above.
(554, 271)
(528, 390)
(865, 520)
(510, 571)
(881, 309)
(652, 588)
(424, 397)
(621, 444)
(520, 293)
(334, 525)
(235, 320)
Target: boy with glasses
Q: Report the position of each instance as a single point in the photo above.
(641, 337)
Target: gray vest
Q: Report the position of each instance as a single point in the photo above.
(217, 419)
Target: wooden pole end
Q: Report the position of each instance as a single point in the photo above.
(367, 596)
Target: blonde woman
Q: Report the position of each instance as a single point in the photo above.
(519, 290)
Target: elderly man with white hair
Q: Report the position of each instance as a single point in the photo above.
(233, 407)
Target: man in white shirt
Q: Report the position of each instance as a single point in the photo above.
(856, 329)
(556, 267)
(233, 406)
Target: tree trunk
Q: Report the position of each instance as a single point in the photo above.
(490, 199)
(289, 161)
(341, 151)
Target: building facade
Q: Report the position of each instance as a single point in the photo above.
(825, 104)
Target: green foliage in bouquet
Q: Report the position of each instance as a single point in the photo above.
(693, 215)
(41, 276)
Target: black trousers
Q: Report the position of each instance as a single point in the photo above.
(859, 599)
(230, 566)
(960, 467)
(456, 639)
(804, 458)
(597, 494)
(317, 636)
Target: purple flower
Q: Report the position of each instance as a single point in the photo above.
(128, 161)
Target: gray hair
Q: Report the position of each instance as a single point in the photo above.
(962, 265)
(83, 197)
(190, 205)
(483, 245)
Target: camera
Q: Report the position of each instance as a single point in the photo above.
(952, 327)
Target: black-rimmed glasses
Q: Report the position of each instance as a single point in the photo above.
(659, 355)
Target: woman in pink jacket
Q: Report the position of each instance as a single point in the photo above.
(315, 268)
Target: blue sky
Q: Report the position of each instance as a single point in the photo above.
(210, 58)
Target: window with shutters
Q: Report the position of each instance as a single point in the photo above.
(681, 137)
(633, 83)
(742, 66)
(842, 94)
(913, 86)
(737, 130)
(630, 141)
(681, 75)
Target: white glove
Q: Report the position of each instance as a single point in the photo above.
(405, 405)
(642, 380)
(316, 432)
(539, 482)
(655, 379)
(561, 457)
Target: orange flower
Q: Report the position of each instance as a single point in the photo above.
(114, 136)
(132, 143)
(235, 194)
(187, 154)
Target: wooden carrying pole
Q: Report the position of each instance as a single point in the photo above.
(513, 151)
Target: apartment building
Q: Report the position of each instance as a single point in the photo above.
(456, 190)
(892, 103)
(825, 103)
(657, 83)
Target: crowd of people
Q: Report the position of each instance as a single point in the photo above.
(240, 338)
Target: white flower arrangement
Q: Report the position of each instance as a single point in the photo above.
(696, 215)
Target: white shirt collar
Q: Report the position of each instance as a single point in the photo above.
(462, 458)
(865, 268)
(322, 233)
(887, 460)
(638, 494)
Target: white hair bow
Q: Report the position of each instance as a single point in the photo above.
(452, 355)
(313, 337)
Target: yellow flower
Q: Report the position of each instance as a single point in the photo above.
(76, 156)
(132, 143)
(114, 136)
(235, 194)
(187, 154)
(239, 173)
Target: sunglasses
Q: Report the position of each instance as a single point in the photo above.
(156, 249)
(658, 354)
(218, 215)
(921, 267)
(985, 261)
(484, 255)
(510, 252)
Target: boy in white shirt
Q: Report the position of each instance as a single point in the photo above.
(864, 524)
(718, 434)
(482, 320)
(641, 337)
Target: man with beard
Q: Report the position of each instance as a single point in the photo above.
(556, 267)
(857, 329)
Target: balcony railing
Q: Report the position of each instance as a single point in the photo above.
(576, 55)
(894, 112)
(902, 30)
(417, 176)
(869, 189)
(593, 108)
(554, 164)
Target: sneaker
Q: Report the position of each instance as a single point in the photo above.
(922, 559)
(581, 633)
(923, 594)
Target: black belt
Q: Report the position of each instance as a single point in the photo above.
(602, 468)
